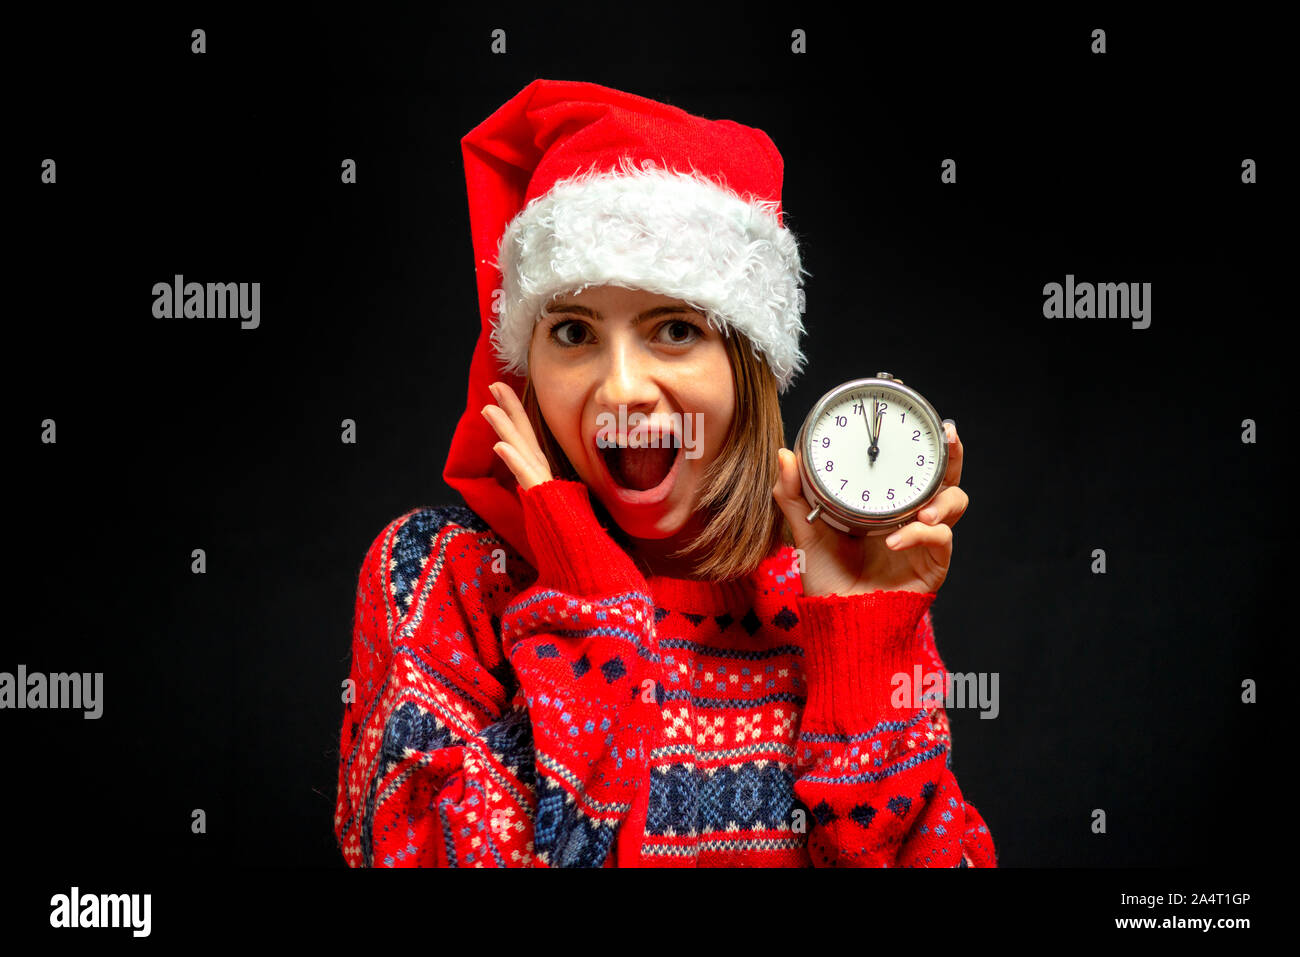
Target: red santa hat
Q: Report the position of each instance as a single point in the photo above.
(573, 184)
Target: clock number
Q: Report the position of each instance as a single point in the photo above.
(910, 482)
(902, 417)
(857, 408)
(841, 421)
(830, 466)
(826, 442)
(843, 482)
(890, 495)
(866, 495)
(916, 436)
(920, 460)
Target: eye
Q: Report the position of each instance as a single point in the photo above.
(563, 337)
(681, 326)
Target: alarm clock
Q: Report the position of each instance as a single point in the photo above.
(872, 453)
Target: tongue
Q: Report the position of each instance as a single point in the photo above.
(642, 469)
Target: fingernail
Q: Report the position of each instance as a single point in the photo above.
(893, 540)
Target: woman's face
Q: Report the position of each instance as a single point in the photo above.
(615, 354)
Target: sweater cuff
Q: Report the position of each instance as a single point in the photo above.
(574, 552)
(856, 644)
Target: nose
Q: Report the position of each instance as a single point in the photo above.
(629, 378)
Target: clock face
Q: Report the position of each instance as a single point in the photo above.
(907, 451)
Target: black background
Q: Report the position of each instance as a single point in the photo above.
(221, 691)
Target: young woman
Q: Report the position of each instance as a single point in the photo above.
(612, 655)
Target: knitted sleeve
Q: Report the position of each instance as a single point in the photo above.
(873, 752)
(454, 757)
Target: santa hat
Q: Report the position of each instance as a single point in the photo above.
(573, 184)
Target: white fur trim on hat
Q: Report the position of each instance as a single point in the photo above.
(672, 233)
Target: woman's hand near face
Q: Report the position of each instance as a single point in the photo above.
(518, 447)
(841, 564)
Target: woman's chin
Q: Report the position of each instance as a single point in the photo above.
(650, 521)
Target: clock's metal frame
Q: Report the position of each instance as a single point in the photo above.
(825, 504)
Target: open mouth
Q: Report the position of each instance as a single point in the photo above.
(641, 469)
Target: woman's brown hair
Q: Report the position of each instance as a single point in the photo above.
(744, 523)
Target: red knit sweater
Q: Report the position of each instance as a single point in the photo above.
(578, 714)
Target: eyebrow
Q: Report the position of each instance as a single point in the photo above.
(593, 314)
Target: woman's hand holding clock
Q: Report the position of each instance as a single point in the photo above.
(913, 558)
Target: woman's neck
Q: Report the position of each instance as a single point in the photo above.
(662, 567)
(654, 556)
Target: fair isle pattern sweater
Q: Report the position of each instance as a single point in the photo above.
(580, 715)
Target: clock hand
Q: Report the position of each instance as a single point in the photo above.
(875, 432)
(871, 449)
